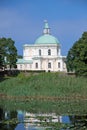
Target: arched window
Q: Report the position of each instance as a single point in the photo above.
(36, 65)
(39, 52)
(49, 65)
(49, 52)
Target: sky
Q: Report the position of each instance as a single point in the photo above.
(23, 21)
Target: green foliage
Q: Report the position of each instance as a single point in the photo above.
(21, 76)
(45, 84)
(19, 56)
(46, 92)
(77, 56)
(77, 120)
(21, 90)
(8, 52)
(1, 62)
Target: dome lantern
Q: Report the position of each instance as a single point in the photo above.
(46, 29)
(46, 38)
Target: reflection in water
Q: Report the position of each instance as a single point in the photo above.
(7, 120)
(34, 121)
(40, 119)
(22, 120)
(79, 122)
(31, 115)
(20, 126)
(18, 120)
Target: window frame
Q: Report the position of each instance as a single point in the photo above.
(49, 65)
(36, 65)
(39, 52)
(59, 65)
(49, 52)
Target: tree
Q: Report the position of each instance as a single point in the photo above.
(78, 122)
(20, 56)
(1, 61)
(8, 52)
(77, 56)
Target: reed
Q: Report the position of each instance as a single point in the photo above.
(45, 84)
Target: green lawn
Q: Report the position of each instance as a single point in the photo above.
(45, 84)
(46, 92)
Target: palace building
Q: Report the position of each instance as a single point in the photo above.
(43, 55)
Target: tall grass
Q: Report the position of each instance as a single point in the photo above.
(44, 84)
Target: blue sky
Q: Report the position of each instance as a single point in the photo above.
(23, 20)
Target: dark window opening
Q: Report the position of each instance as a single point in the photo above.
(49, 52)
(49, 65)
(39, 52)
(58, 64)
(36, 65)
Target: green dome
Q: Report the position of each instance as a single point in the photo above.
(46, 39)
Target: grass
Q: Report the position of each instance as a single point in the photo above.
(45, 93)
(33, 106)
(45, 84)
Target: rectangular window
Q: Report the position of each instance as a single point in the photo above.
(49, 52)
(49, 65)
(58, 64)
(39, 52)
(36, 65)
(20, 66)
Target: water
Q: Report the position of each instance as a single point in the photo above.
(33, 115)
(24, 120)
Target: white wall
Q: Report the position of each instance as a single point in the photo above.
(32, 52)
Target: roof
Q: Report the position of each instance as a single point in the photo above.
(46, 39)
(22, 61)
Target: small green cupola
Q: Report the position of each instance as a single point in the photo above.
(46, 29)
(46, 38)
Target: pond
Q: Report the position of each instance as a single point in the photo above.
(16, 115)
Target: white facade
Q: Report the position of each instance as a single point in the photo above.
(44, 55)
